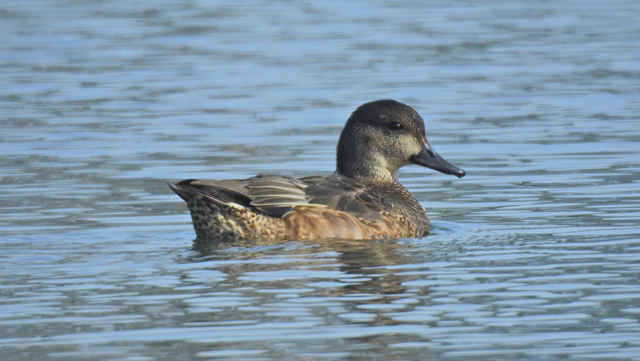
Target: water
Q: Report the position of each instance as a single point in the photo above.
(534, 255)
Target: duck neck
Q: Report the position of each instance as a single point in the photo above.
(365, 167)
(357, 157)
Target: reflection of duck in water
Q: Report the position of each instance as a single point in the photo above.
(366, 266)
(362, 200)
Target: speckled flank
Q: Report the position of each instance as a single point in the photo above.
(307, 223)
(316, 223)
(222, 223)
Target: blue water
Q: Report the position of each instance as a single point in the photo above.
(535, 254)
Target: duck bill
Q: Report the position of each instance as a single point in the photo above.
(430, 159)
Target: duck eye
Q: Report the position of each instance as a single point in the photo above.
(395, 126)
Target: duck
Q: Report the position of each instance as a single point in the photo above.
(362, 200)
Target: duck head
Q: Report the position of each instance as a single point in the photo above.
(382, 136)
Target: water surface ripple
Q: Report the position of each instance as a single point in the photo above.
(534, 255)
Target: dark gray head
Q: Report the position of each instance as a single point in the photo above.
(382, 136)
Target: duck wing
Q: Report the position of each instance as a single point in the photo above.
(268, 194)
(345, 194)
(275, 195)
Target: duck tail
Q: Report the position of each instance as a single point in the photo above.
(183, 192)
(209, 191)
